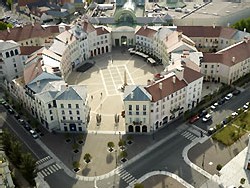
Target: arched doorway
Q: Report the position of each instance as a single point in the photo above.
(137, 129)
(124, 40)
(130, 128)
(144, 128)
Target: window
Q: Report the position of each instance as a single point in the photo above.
(78, 118)
(63, 112)
(70, 112)
(50, 111)
(137, 107)
(11, 53)
(14, 64)
(205, 66)
(71, 118)
(64, 117)
(7, 54)
(49, 105)
(77, 112)
(69, 105)
(144, 107)
(212, 66)
(16, 51)
(62, 106)
(51, 118)
(130, 107)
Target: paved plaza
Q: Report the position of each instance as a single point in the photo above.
(104, 81)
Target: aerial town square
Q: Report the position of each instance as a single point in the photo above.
(125, 93)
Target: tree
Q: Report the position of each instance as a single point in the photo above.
(87, 157)
(7, 138)
(28, 168)
(9, 3)
(111, 145)
(138, 185)
(130, 139)
(15, 152)
(76, 164)
(123, 154)
(121, 143)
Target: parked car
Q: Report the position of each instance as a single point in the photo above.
(234, 114)
(21, 121)
(236, 92)
(229, 96)
(6, 106)
(194, 118)
(211, 131)
(207, 118)
(221, 101)
(246, 106)
(11, 111)
(224, 122)
(213, 107)
(33, 134)
(27, 127)
(203, 113)
(17, 116)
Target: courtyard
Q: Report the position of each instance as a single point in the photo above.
(104, 81)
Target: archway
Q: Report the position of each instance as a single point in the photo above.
(144, 128)
(124, 40)
(130, 128)
(137, 129)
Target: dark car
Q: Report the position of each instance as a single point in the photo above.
(203, 113)
(221, 101)
(6, 106)
(11, 111)
(27, 127)
(194, 119)
(236, 92)
(17, 116)
(211, 131)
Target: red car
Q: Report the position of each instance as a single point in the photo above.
(194, 118)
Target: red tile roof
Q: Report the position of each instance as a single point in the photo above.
(32, 71)
(168, 87)
(237, 53)
(146, 32)
(28, 50)
(28, 31)
(191, 75)
(207, 31)
(87, 27)
(25, 2)
(101, 31)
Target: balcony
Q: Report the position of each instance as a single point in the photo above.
(137, 122)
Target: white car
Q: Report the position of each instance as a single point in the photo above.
(234, 114)
(246, 106)
(207, 118)
(229, 96)
(213, 107)
(33, 134)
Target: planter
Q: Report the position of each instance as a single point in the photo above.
(110, 150)
(76, 151)
(123, 160)
(80, 142)
(129, 142)
(68, 140)
(76, 170)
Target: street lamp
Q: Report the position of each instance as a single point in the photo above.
(116, 158)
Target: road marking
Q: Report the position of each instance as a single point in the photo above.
(43, 160)
(126, 176)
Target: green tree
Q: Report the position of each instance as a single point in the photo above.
(138, 185)
(121, 143)
(28, 168)
(15, 152)
(9, 3)
(111, 145)
(87, 157)
(123, 154)
(7, 139)
(76, 164)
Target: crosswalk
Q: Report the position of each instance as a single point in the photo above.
(49, 170)
(189, 135)
(127, 177)
(43, 160)
(47, 166)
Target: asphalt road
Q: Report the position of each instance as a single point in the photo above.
(225, 110)
(12, 124)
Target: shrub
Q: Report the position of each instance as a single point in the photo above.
(219, 167)
(242, 180)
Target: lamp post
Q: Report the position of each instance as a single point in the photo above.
(116, 158)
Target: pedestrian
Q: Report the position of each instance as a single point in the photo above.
(101, 94)
(91, 97)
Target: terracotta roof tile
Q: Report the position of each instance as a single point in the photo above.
(191, 75)
(87, 27)
(237, 53)
(101, 31)
(28, 50)
(207, 31)
(25, 2)
(32, 71)
(28, 31)
(146, 32)
(168, 87)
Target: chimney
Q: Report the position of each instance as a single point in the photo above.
(213, 25)
(179, 73)
(246, 39)
(32, 24)
(160, 85)
(8, 29)
(233, 59)
(179, 36)
(245, 29)
(174, 79)
(38, 83)
(132, 95)
(102, 28)
(145, 27)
